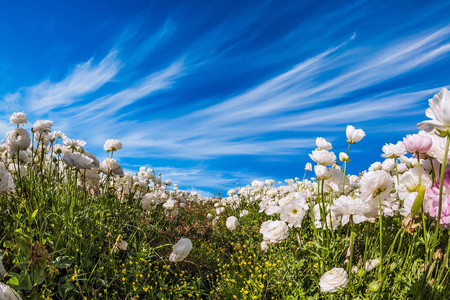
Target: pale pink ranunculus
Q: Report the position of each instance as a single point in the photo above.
(417, 143)
(432, 197)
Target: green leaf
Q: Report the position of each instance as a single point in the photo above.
(14, 281)
(62, 262)
(33, 215)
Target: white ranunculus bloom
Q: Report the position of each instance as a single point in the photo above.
(439, 112)
(374, 184)
(42, 126)
(232, 223)
(376, 166)
(322, 172)
(73, 144)
(264, 246)
(354, 135)
(6, 181)
(274, 231)
(322, 144)
(149, 202)
(18, 139)
(438, 149)
(243, 213)
(112, 145)
(170, 204)
(308, 167)
(78, 160)
(333, 280)
(332, 220)
(2, 267)
(323, 157)
(343, 157)
(388, 165)
(393, 151)
(18, 118)
(110, 167)
(167, 182)
(371, 264)
(181, 250)
(293, 212)
(409, 182)
(346, 206)
(7, 293)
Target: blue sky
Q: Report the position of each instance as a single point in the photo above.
(210, 93)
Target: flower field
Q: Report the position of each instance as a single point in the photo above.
(75, 227)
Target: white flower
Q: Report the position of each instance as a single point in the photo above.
(209, 216)
(438, 149)
(170, 204)
(7, 293)
(73, 144)
(323, 157)
(6, 181)
(354, 135)
(112, 145)
(393, 151)
(371, 264)
(120, 245)
(18, 139)
(322, 172)
(274, 231)
(232, 223)
(110, 167)
(231, 192)
(343, 157)
(264, 246)
(2, 267)
(322, 144)
(375, 166)
(58, 134)
(181, 250)
(308, 167)
(439, 112)
(243, 213)
(293, 212)
(333, 280)
(388, 165)
(331, 219)
(78, 160)
(346, 206)
(18, 118)
(43, 126)
(374, 184)
(167, 182)
(149, 201)
(409, 182)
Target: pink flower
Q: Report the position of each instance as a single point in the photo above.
(417, 143)
(432, 197)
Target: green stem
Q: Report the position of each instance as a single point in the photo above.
(381, 241)
(441, 188)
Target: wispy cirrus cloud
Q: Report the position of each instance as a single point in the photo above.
(236, 81)
(85, 78)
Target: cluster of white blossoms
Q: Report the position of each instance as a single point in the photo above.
(389, 188)
(405, 183)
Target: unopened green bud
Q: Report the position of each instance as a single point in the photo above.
(375, 286)
(418, 202)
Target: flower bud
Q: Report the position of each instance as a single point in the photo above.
(344, 157)
(375, 286)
